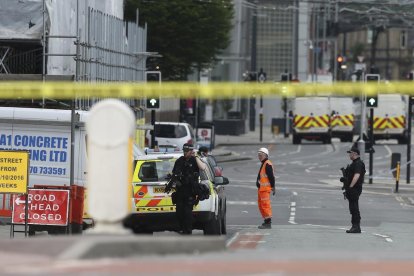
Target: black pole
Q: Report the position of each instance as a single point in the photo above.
(410, 102)
(371, 138)
(261, 118)
(153, 131)
(252, 114)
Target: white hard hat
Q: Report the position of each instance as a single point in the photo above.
(264, 150)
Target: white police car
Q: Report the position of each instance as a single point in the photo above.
(153, 209)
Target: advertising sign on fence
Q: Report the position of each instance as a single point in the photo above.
(45, 207)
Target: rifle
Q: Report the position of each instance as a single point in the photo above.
(345, 180)
(173, 181)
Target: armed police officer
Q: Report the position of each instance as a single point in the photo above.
(186, 172)
(353, 180)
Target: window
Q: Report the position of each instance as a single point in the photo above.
(170, 131)
(153, 171)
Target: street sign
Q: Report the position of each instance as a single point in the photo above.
(153, 103)
(372, 101)
(45, 207)
(14, 171)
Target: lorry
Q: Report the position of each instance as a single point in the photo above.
(311, 119)
(390, 118)
(46, 135)
(342, 118)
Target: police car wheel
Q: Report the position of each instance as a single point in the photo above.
(223, 225)
(213, 227)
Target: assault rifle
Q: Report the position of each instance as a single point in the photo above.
(173, 181)
(345, 180)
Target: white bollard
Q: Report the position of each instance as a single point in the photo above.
(110, 132)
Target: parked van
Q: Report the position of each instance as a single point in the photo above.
(46, 134)
(390, 117)
(311, 119)
(342, 118)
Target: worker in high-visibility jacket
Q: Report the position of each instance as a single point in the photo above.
(266, 185)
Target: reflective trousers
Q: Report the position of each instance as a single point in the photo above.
(263, 200)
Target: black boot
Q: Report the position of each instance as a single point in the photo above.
(267, 224)
(354, 229)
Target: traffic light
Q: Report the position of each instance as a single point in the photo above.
(372, 101)
(285, 77)
(372, 78)
(153, 103)
(153, 76)
(339, 60)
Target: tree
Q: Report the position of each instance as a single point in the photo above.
(188, 34)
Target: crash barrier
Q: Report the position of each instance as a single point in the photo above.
(70, 90)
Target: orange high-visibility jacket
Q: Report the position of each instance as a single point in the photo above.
(264, 181)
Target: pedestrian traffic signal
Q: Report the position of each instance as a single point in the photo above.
(372, 101)
(153, 103)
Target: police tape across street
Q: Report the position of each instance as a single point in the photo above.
(217, 90)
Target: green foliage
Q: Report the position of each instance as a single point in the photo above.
(189, 34)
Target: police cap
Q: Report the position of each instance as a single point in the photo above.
(188, 147)
(354, 149)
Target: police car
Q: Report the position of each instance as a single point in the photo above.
(153, 209)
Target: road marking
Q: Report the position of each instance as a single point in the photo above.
(297, 151)
(387, 238)
(246, 241)
(295, 193)
(292, 212)
(241, 202)
(388, 150)
(230, 241)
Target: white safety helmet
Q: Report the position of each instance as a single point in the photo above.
(264, 150)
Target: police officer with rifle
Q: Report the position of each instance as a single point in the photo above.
(353, 178)
(185, 176)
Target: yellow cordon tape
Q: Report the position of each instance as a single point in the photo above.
(216, 90)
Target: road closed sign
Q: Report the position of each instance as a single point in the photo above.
(45, 207)
(14, 171)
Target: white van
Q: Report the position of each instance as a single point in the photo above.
(390, 117)
(311, 119)
(46, 134)
(342, 118)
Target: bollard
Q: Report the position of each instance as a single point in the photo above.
(110, 130)
(397, 178)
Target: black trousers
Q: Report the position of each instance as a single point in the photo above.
(353, 198)
(184, 212)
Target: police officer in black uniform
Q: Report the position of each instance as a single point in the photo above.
(355, 172)
(186, 170)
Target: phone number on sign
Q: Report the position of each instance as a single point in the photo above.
(47, 170)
